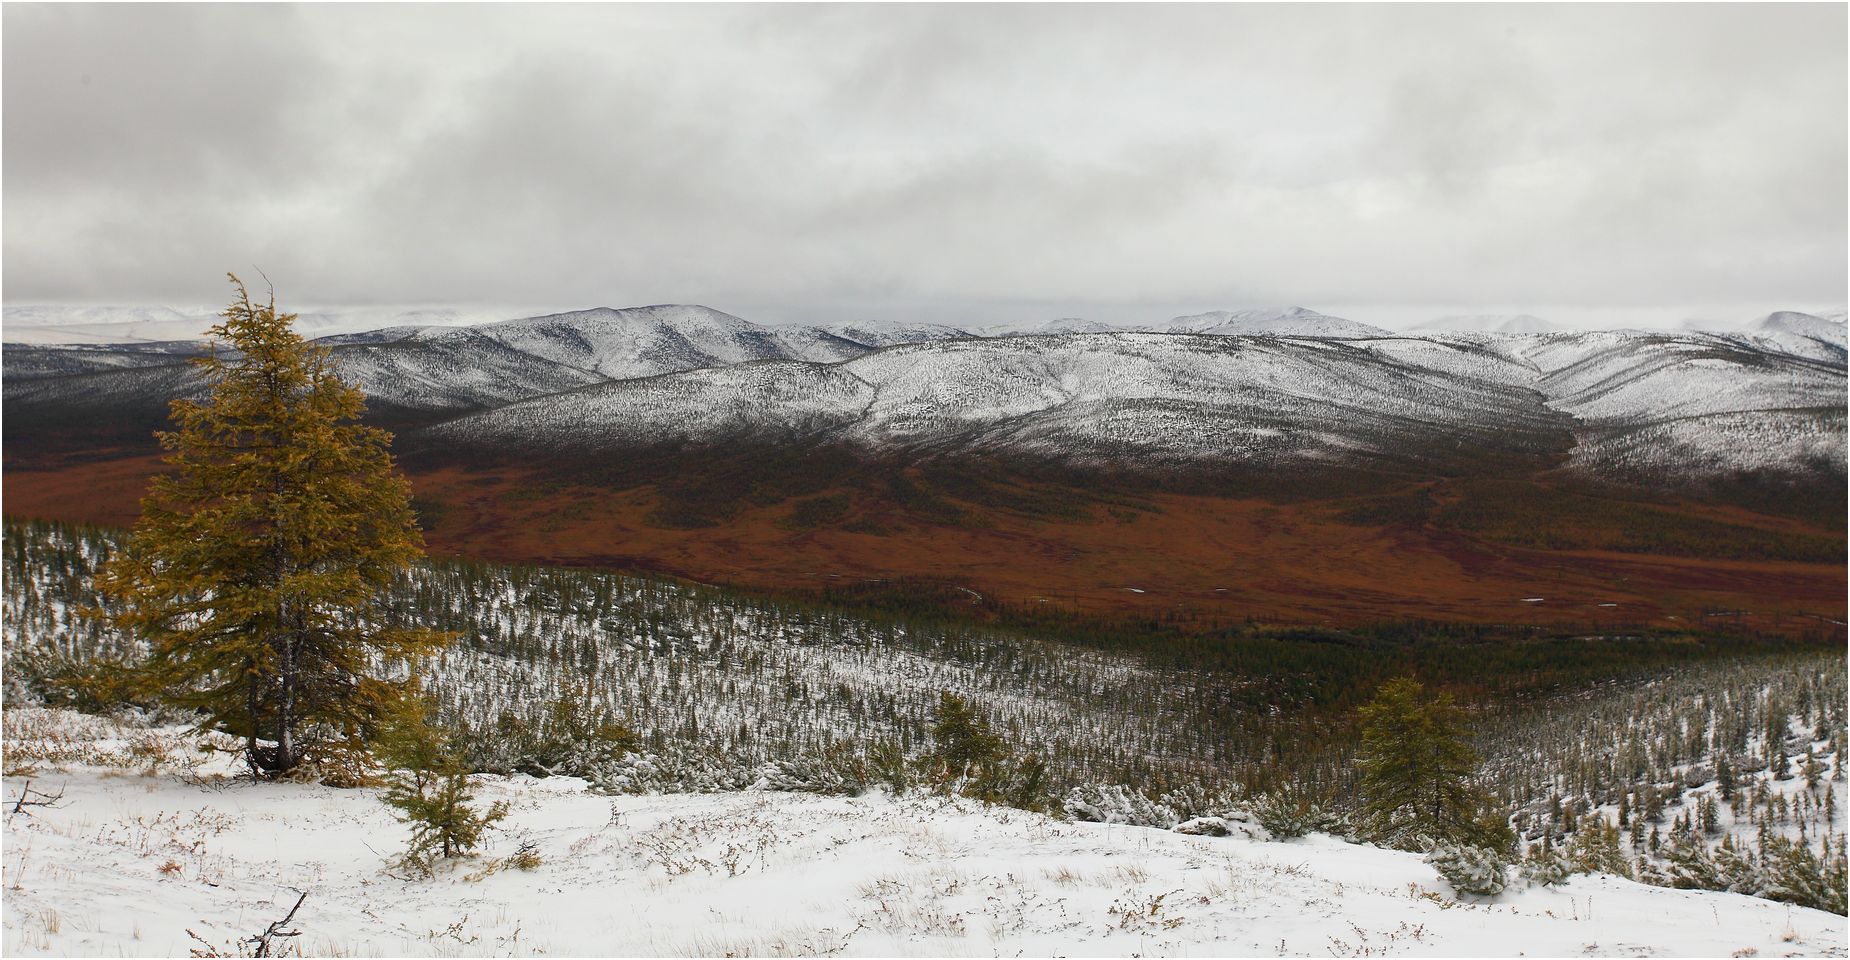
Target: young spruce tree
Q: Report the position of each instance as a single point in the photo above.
(256, 571)
(430, 787)
(1417, 771)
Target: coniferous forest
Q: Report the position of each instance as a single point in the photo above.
(1695, 762)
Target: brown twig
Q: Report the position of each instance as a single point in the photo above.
(274, 930)
(25, 799)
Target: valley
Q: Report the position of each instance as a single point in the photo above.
(1279, 466)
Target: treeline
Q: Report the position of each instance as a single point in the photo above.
(1335, 668)
(1548, 517)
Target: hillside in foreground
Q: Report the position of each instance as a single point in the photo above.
(1722, 773)
(154, 852)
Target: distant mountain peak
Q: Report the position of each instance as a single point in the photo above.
(1794, 323)
(1288, 321)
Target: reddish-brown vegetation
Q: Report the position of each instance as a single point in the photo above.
(1196, 558)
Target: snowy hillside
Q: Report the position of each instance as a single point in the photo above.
(1288, 385)
(878, 335)
(36, 363)
(105, 386)
(1632, 378)
(1788, 322)
(767, 400)
(152, 851)
(1731, 403)
(1801, 334)
(1168, 397)
(645, 341)
(741, 703)
(1700, 405)
(452, 371)
(478, 367)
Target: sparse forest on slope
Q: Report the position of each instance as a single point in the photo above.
(726, 691)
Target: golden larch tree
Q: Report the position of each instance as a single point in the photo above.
(257, 572)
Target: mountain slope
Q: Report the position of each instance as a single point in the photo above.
(1801, 334)
(1154, 398)
(1793, 323)
(423, 371)
(450, 372)
(1654, 405)
(685, 390)
(1639, 403)
(646, 341)
(877, 335)
(1720, 404)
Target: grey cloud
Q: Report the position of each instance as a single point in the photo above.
(918, 160)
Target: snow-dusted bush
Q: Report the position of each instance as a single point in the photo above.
(1595, 848)
(1793, 873)
(1474, 870)
(1190, 801)
(1118, 804)
(969, 757)
(675, 772)
(838, 771)
(57, 677)
(1114, 803)
(886, 765)
(573, 736)
(1294, 812)
(1687, 866)
(1787, 871)
(1546, 867)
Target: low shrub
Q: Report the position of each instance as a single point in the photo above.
(1474, 870)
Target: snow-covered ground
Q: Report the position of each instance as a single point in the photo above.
(152, 862)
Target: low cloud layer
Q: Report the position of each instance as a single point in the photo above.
(782, 162)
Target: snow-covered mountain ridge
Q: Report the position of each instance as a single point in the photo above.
(1090, 396)
(1638, 402)
(1285, 385)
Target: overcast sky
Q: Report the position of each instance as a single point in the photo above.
(963, 163)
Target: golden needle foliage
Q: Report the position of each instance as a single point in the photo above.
(257, 570)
